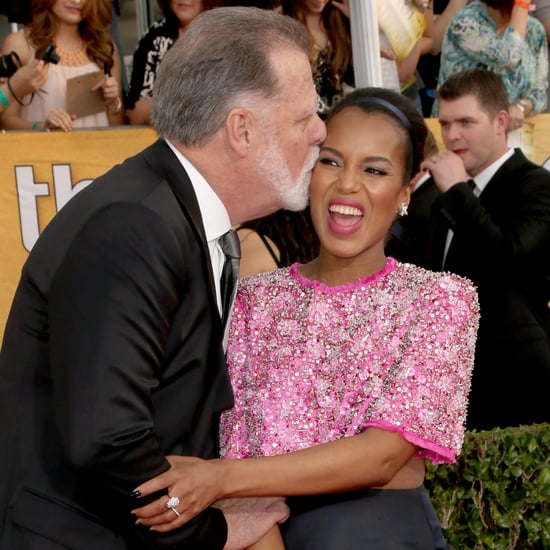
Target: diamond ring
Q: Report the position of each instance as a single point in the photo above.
(172, 503)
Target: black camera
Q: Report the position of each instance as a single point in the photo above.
(50, 55)
(9, 63)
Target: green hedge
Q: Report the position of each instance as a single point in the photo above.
(497, 495)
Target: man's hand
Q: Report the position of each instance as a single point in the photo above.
(249, 519)
(446, 168)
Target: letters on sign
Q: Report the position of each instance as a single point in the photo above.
(28, 190)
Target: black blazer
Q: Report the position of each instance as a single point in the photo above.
(502, 243)
(112, 358)
(410, 234)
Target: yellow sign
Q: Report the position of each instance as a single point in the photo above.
(39, 173)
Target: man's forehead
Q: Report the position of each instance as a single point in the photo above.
(467, 101)
(464, 107)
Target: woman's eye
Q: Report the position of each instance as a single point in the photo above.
(375, 171)
(328, 161)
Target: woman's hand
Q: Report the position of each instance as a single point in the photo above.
(59, 118)
(111, 93)
(388, 53)
(420, 4)
(343, 6)
(29, 78)
(196, 482)
(516, 117)
(447, 169)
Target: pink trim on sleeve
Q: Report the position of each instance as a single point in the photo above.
(426, 449)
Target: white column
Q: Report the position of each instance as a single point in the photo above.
(142, 17)
(365, 43)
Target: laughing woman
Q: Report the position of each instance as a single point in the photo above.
(349, 371)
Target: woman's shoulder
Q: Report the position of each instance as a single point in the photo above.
(473, 12)
(536, 31)
(18, 42)
(439, 298)
(161, 28)
(276, 281)
(436, 281)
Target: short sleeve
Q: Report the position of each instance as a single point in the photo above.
(425, 400)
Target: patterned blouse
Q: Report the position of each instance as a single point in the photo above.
(151, 48)
(472, 42)
(311, 363)
(329, 93)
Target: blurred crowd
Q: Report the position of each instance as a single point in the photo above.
(499, 35)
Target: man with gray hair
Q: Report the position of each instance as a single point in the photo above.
(113, 355)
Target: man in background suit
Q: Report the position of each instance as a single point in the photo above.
(496, 233)
(112, 355)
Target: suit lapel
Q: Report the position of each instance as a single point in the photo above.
(164, 162)
(494, 188)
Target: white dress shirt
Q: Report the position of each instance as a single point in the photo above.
(215, 218)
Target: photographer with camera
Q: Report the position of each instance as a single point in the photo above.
(72, 38)
(18, 80)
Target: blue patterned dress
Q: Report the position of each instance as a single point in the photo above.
(472, 41)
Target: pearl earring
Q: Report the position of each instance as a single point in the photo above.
(403, 209)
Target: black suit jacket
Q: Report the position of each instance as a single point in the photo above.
(502, 243)
(409, 235)
(112, 358)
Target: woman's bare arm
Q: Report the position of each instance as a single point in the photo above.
(374, 458)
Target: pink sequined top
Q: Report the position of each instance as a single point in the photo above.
(311, 363)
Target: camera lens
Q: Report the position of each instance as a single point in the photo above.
(9, 63)
(50, 55)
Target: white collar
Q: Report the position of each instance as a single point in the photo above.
(485, 176)
(215, 217)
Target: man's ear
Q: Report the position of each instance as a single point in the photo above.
(501, 120)
(238, 127)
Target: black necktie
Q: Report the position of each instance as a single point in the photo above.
(231, 247)
(451, 252)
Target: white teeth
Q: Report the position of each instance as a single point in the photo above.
(345, 210)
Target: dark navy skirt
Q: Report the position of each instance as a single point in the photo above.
(370, 519)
